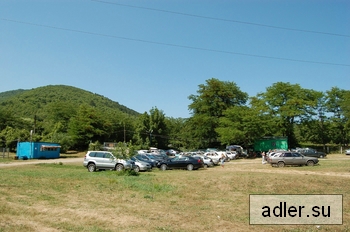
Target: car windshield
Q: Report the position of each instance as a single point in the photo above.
(134, 158)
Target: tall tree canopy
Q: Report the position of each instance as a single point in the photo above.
(289, 103)
(86, 126)
(212, 99)
(216, 96)
(152, 129)
(242, 125)
(337, 104)
(316, 128)
(345, 104)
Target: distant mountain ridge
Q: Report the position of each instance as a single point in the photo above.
(26, 103)
(11, 93)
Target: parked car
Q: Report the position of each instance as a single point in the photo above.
(223, 154)
(141, 165)
(272, 154)
(232, 155)
(347, 152)
(144, 158)
(161, 155)
(182, 162)
(292, 158)
(206, 160)
(311, 152)
(214, 156)
(171, 152)
(104, 160)
(155, 157)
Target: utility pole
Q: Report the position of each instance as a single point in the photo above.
(150, 137)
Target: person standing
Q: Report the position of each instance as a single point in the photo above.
(263, 157)
(223, 160)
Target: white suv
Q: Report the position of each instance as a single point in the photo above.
(97, 160)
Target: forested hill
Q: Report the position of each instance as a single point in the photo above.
(27, 103)
(9, 94)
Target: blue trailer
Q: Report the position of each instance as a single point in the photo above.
(38, 150)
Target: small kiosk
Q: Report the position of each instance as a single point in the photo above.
(38, 150)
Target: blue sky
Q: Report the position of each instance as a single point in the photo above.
(155, 53)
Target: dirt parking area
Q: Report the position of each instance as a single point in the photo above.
(41, 161)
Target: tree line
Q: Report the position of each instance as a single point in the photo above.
(221, 114)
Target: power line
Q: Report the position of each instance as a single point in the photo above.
(174, 45)
(222, 19)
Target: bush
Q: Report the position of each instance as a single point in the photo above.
(129, 172)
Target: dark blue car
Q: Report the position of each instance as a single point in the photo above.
(182, 162)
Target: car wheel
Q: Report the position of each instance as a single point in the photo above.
(91, 167)
(189, 167)
(119, 167)
(163, 167)
(310, 163)
(321, 156)
(205, 165)
(137, 169)
(280, 164)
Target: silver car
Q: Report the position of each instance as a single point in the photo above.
(292, 158)
(141, 165)
(104, 160)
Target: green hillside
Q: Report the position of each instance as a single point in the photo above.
(38, 101)
(9, 94)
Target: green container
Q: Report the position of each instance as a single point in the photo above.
(271, 143)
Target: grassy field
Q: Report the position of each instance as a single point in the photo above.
(65, 197)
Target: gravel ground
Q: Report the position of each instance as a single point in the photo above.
(40, 161)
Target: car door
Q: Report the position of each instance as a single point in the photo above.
(177, 162)
(288, 158)
(99, 160)
(298, 159)
(173, 163)
(183, 161)
(109, 160)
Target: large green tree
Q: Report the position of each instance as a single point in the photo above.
(345, 104)
(151, 130)
(177, 132)
(288, 104)
(10, 136)
(315, 128)
(208, 106)
(337, 104)
(242, 125)
(86, 126)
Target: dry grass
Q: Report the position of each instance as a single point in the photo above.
(54, 197)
